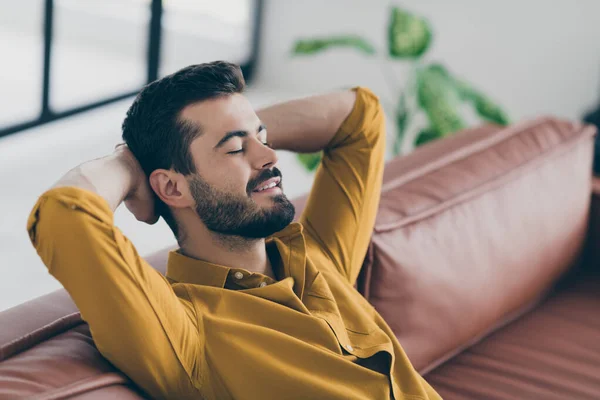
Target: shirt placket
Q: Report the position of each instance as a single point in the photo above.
(241, 279)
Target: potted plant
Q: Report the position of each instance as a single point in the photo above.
(430, 88)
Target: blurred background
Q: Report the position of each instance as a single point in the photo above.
(69, 70)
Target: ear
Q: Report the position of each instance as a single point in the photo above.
(171, 187)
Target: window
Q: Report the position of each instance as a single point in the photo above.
(62, 57)
(22, 49)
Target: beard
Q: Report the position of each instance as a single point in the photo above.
(238, 215)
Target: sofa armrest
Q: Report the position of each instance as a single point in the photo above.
(33, 322)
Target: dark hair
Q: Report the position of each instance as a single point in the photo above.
(154, 130)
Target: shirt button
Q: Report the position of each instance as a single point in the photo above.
(350, 348)
(238, 275)
(262, 284)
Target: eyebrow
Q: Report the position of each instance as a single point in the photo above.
(232, 134)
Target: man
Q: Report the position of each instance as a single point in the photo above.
(252, 305)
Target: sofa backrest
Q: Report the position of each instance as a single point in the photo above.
(472, 231)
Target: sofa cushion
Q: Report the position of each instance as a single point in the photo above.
(551, 354)
(472, 231)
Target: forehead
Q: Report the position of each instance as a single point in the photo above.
(221, 115)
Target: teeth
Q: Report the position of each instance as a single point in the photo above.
(269, 186)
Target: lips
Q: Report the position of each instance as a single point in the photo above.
(276, 180)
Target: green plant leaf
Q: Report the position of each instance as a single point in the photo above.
(409, 36)
(439, 97)
(485, 107)
(425, 136)
(310, 160)
(440, 70)
(490, 111)
(401, 122)
(311, 46)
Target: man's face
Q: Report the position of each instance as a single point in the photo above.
(234, 165)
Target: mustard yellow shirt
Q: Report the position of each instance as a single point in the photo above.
(213, 332)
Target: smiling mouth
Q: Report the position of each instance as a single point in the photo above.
(274, 189)
(269, 186)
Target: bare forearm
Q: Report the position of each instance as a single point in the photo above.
(109, 176)
(308, 124)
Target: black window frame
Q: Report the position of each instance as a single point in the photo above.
(47, 115)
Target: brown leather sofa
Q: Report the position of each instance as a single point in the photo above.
(483, 261)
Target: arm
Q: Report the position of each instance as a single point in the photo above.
(117, 177)
(146, 328)
(307, 125)
(341, 209)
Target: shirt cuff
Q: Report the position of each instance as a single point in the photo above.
(74, 198)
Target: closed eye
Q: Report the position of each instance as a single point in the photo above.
(242, 149)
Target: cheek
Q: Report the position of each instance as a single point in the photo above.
(231, 179)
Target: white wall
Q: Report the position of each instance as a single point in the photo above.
(532, 56)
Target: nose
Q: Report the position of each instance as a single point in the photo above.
(265, 157)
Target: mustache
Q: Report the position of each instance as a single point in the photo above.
(263, 176)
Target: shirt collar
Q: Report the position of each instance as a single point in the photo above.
(290, 243)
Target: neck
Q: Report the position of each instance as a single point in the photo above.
(227, 250)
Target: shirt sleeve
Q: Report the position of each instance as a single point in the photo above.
(137, 320)
(341, 208)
